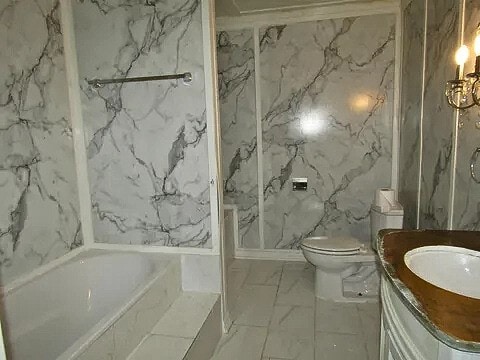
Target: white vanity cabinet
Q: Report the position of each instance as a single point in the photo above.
(403, 337)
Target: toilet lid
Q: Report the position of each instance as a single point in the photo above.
(342, 244)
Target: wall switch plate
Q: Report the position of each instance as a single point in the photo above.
(299, 184)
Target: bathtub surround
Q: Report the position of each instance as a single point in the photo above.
(39, 214)
(326, 113)
(236, 76)
(146, 142)
(446, 196)
(118, 300)
(190, 329)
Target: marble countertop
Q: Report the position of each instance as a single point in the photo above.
(451, 318)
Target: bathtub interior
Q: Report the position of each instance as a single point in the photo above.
(54, 310)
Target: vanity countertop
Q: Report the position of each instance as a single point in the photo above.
(453, 319)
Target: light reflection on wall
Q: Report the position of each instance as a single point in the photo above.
(360, 102)
(312, 122)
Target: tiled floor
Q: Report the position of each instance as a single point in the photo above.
(277, 317)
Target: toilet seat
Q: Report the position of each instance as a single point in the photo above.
(342, 245)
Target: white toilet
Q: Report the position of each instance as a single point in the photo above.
(343, 261)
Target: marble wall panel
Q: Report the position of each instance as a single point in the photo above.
(327, 99)
(236, 74)
(438, 122)
(411, 110)
(39, 211)
(147, 142)
(467, 192)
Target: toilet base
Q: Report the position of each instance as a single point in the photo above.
(330, 287)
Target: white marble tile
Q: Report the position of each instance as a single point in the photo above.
(240, 264)
(236, 75)
(201, 273)
(146, 142)
(128, 331)
(254, 305)
(294, 344)
(370, 321)
(235, 280)
(39, 211)
(241, 342)
(327, 109)
(161, 347)
(369, 313)
(441, 43)
(186, 315)
(467, 192)
(264, 272)
(340, 318)
(296, 285)
(330, 346)
(292, 318)
(206, 341)
(411, 110)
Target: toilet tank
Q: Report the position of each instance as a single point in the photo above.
(391, 219)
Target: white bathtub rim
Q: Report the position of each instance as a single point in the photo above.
(42, 269)
(23, 280)
(82, 343)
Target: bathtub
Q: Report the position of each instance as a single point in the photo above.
(73, 310)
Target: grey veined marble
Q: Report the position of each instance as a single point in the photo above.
(236, 73)
(147, 142)
(439, 120)
(411, 110)
(326, 90)
(39, 211)
(466, 209)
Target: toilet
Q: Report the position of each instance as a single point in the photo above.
(345, 268)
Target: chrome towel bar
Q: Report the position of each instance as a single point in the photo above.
(97, 83)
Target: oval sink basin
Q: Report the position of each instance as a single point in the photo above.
(451, 268)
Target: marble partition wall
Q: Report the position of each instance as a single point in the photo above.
(327, 110)
(236, 74)
(438, 120)
(147, 142)
(39, 211)
(466, 211)
(411, 110)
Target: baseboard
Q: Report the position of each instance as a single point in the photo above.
(270, 254)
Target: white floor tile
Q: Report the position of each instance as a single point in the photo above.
(370, 321)
(339, 347)
(264, 272)
(293, 344)
(254, 305)
(241, 343)
(340, 318)
(159, 347)
(296, 285)
(186, 315)
(291, 317)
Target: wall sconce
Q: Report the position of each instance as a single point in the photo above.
(464, 92)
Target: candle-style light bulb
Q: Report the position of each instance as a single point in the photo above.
(476, 47)
(476, 44)
(461, 56)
